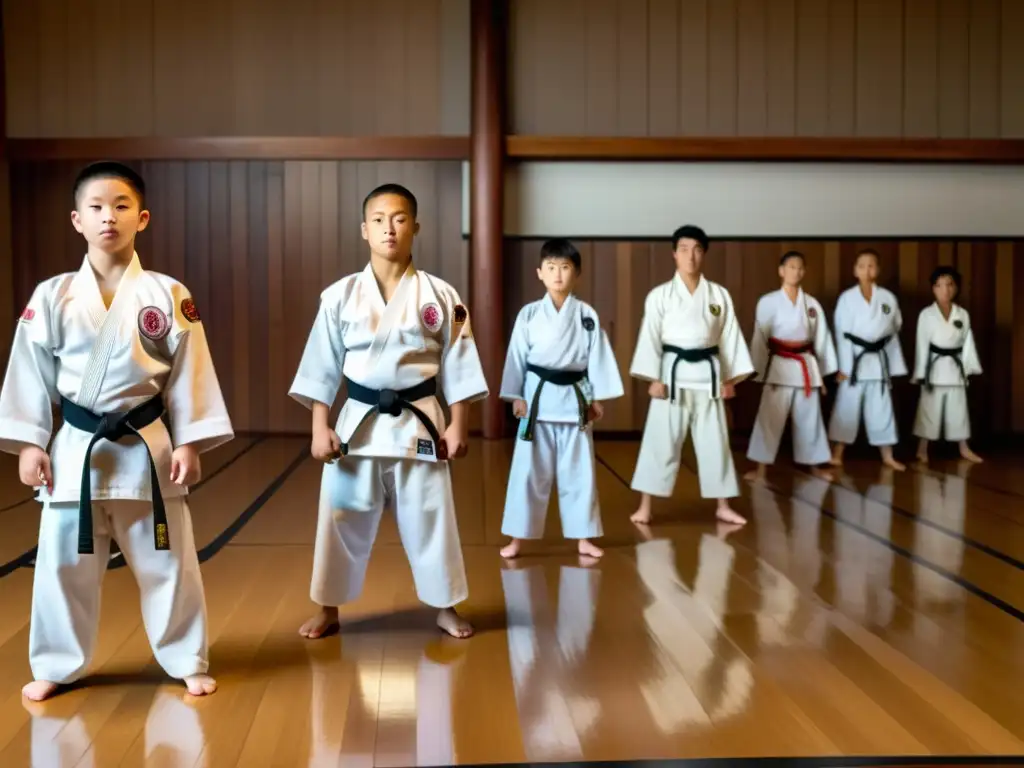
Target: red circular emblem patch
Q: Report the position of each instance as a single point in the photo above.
(188, 309)
(153, 323)
(432, 317)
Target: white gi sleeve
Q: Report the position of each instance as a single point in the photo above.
(319, 376)
(922, 343)
(602, 367)
(824, 346)
(462, 375)
(844, 347)
(647, 359)
(513, 377)
(759, 338)
(733, 355)
(30, 386)
(193, 397)
(969, 355)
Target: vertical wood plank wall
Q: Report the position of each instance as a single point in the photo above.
(878, 68)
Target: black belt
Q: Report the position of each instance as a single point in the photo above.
(953, 352)
(114, 427)
(692, 356)
(559, 379)
(876, 347)
(392, 402)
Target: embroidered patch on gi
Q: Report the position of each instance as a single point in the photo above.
(459, 314)
(153, 323)
(188, 309)
(886, 309)
(431, 316)
(424, 447)
(716, 310)
(27, 314)
(958, 324)
(812, 312)
(588, 323)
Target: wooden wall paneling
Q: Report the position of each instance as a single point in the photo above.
(618, 275)
(872, 68)
(226, 67)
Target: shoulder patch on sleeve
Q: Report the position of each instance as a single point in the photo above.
(189, 311)
(27, 315)
(460, 314)
(588, 323)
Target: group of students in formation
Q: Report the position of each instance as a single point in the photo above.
(122, 352)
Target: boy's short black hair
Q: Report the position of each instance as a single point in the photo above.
(111, 169)
(868, 252)
(791, 255)
(692, 232)
(560, 248)
(392, 189)
(946, 271)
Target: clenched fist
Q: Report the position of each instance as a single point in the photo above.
(34, 468)
(326, 445)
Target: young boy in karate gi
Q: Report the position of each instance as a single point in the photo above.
(399, 338)
(692, 352)
(867, 323)
(559, 366)
(793, 350)
(114, 346)
(944, 357)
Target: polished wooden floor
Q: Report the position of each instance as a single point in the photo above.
(877, 617)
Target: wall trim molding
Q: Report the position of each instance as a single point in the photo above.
(241, 148)
(776, 149)
(521, 148)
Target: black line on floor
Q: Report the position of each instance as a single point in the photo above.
(906, 513)
(1002, 605)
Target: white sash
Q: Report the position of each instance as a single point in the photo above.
(103, 347)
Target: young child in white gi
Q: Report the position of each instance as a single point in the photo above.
(867, 323)
(399, 338)
(944, 357)
(115, 346)
(793, 350)
(691, 350)
(559, 366)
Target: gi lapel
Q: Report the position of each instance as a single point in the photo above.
(392, 312)
(103, 346)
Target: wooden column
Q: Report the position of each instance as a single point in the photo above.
(487, 199)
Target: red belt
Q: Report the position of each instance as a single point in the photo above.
(791, 350)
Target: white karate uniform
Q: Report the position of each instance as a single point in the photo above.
(150, 342)
(943, 401)
(791, 386)
(871, 321)
(423, 332)
(707, 318)
(570, 339)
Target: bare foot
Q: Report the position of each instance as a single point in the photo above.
(511, 549)
(727, 514)
(38, 690)
(643, 513)
(824, 474)
(589, 549)
(325, 622)
(837, 455)
(969, 455)
(922, 459)
(587, 562)
(897, 465)
(200, 685)
(453, 624)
